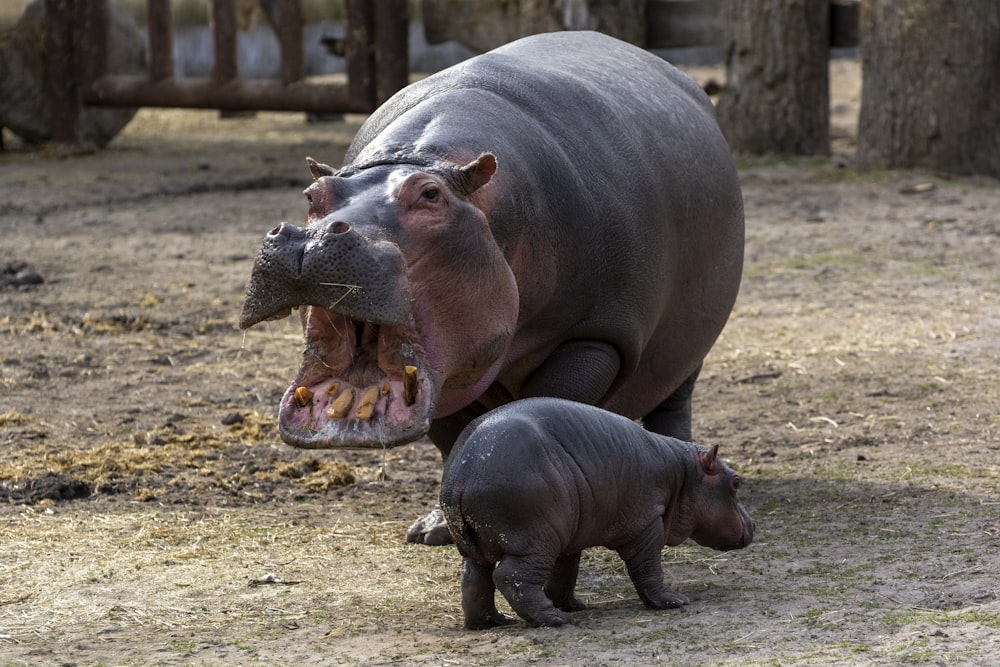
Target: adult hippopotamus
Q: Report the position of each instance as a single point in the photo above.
(531, 484)
(558, 217)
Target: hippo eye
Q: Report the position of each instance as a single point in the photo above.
(736, 482)
(430, 194)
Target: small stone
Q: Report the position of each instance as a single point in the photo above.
(28, 277)
(232, 418)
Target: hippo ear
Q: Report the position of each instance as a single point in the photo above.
(477, 173)
(318, 169)
(708, 460)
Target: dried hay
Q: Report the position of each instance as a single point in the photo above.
(14, 418)
(151, 463)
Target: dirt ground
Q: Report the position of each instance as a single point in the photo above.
(150, 514)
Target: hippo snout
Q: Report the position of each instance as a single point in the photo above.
(330, 265)
(749, 528)
(285, 233)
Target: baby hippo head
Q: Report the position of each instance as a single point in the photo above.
(718, 520)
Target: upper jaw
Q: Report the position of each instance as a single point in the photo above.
(317, 266)
(361, 385)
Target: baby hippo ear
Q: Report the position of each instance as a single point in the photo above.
(708, 460)
(318, 169)
(477, 173)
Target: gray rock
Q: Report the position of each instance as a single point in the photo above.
(25, 107)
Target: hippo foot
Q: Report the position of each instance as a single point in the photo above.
(551, 618)
(573, 604)
(431, 529)
(666, 600)
(496, 620)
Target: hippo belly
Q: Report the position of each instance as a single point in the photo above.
(558, 217)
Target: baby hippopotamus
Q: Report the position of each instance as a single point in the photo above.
(533, 483)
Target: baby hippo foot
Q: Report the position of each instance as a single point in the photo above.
(478, 593)
(562, 581)
(431, 529)
(572, 604)
(521, 581)
(664, 599)
(551, 618)
(475, 621)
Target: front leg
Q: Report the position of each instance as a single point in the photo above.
(643, 559)
(578, 370)
(562, 582)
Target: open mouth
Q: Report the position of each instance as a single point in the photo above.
(362, 384)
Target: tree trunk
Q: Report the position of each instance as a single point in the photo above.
(931, 85)
(777, 94)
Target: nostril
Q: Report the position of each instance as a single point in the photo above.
(340, 227)
(277, 230)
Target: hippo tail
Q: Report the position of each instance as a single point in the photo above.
(461, 529)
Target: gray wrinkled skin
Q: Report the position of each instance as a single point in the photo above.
(558, 217)
(530, 485)
(322, 267)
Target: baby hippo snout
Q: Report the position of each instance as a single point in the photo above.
(720, 520)
(748, 528)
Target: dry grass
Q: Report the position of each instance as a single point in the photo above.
(155, 461)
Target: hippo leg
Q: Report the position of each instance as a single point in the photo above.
(432, 529)
(479, 597)
(520, 579)
(643, 560)
(578, 370)
(562, 582)
(672, 417)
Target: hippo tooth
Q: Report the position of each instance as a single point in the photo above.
(333, 389)
(410, 384)
(302, 396)
(385, 389)
(342, 405)
(366, 407)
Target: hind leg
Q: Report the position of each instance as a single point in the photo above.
(431, 529)
(520, 579)
(672, 417)
(479, 597)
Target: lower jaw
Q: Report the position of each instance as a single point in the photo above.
(337, 415)
(349, 438)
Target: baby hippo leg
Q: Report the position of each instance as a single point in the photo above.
(479, 597)
(643, 561)
(520, 579)
(562, 581)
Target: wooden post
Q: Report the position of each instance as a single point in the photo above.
(161, 41)
(289, 31)
(358, 47)
(224, 32)
(392, 66)
(61, 77)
